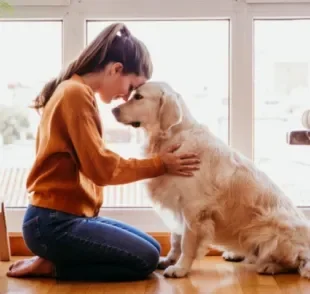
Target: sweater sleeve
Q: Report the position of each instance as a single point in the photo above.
(101, 165)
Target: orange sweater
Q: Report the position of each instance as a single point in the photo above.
(72, 163)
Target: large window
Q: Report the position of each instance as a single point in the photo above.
(30, 55)
(193, 56)
(282, 94)
(242, 68)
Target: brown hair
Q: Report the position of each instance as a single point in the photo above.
(107, 47)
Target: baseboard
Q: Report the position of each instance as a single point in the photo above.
(19, 248)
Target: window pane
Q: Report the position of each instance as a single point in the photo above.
(193, 56)
(30, 55)
(282, 93)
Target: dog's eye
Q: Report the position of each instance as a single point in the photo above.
(138, 96)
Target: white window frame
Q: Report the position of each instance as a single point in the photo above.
(241, 15)
(39, 2)
(276, 1)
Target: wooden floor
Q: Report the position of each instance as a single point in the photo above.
(211, 275)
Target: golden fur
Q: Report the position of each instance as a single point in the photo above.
(228, 203)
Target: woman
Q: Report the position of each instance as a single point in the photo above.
(61, 226)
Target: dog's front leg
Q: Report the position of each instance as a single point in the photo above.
(174, 252)
(188, 252)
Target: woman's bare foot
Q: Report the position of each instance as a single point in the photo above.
(35, 266)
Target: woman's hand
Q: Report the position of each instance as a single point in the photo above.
(182, 164)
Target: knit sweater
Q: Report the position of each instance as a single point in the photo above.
(72, 163)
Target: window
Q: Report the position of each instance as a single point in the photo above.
(193, 56)
(242, 66)
(282, 94)
(30, 55)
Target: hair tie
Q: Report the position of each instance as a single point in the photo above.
(125, 32)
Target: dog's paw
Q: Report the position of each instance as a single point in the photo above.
(174, 271)
(164, 262)
(230, 256)
(269, 269)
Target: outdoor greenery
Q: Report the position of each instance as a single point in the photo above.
(14, 125)
(4, 6)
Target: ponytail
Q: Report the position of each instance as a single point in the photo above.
(88, 61)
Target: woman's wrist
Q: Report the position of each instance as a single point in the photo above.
(160, 163)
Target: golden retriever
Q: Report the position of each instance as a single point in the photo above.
(229, 202)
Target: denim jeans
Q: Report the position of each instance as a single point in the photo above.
(90, 248)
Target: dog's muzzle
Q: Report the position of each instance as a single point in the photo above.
(116, 112)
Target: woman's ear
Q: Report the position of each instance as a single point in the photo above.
(116, 68)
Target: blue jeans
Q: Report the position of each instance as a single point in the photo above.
(90, 248)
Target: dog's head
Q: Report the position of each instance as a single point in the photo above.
(153, 106)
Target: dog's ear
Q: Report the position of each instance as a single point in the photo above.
(170, 111)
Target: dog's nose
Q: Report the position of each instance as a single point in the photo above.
(116, 111)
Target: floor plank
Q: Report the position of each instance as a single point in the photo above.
(211, 275)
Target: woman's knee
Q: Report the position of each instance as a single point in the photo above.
(149, 261)
(156, 244)
(130, 229)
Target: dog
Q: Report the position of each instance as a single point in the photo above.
(228, 202)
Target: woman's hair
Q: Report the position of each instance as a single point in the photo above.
(108, 46)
